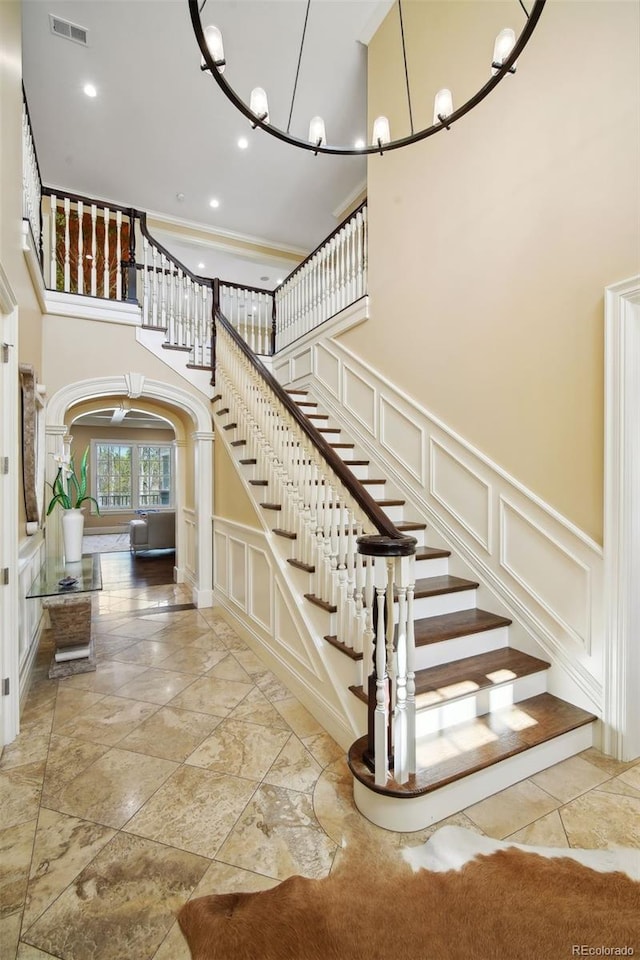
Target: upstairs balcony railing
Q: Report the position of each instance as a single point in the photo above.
(99, 249)
(361, 564)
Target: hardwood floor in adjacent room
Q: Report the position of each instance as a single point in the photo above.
(151, 569)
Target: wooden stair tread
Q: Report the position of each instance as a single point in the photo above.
(323, 604)
(259, 483)
(391, 503)
(299, 565)
(369, 482)
(342, 446)
(482, 671)
(435, 586)
(217, 397)
(248, 461)
(238, 443)
(271, 506)
(302, 392)
(490, 738)
(197, 366)
(447, 626)
(287, 534)
(176, 346)
(316, 416)
(356, 463)
(350, 652)
(230, 426)
(431, 553)
(328, 429)
(410, 525)
(222, 411)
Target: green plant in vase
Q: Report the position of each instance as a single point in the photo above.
(69, 490)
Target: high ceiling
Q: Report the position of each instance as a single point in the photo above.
(159, 127)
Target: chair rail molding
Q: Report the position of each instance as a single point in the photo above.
(202, 436)
(622, 519)
(546, 572)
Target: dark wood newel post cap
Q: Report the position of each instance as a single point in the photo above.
(375, 545)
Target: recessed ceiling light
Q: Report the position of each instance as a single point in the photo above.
(264, 279)
(214, 202)
(243, 143)
(90, 90)
(201, 266)
(359, 144)
(180, 197)
(279, 280)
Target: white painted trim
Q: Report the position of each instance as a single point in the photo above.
(135, 384)
(622, 520)
(9, 494)
(300, 659)
(340, 211)
(85, 307)
(374, 22)
(417, 813)
(405, 459)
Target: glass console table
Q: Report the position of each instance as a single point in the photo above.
(64, 589)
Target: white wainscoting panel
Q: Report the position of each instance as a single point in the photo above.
(559, 581)
(221, 555)
(302, 363)
(259, 606)
(464, 495)
(327, 369)
(540, 569)
(259, 601)
(238, 571)
(402, 436)
(360, 397)
(31, 557)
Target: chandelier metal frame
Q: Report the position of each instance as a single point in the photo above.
(501, 70)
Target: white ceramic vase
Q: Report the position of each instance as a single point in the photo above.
(72, 531)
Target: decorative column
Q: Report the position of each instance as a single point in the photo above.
(203, 478)
(179, 460)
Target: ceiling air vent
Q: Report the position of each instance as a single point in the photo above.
(70, 31)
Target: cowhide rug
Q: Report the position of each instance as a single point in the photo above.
(458, 897)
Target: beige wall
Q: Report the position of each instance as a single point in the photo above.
(490, 245)
(29, 344)
(229, 497)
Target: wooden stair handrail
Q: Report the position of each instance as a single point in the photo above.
(202, 281)
(379, 519)
(88, 201)
(321, 245)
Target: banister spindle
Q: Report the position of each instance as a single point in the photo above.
(94, 251)
(106, 286)
(80, 210)
(119, 255)
(53, 217)
(67, 246)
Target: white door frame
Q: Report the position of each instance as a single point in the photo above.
(9, 493)
(135, 385)
(621, 708)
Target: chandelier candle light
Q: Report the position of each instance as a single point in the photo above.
(506, 51)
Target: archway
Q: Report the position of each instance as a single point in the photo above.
(194, 533)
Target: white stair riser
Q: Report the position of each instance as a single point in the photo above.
(431, 719)
(435, 654)
(359, 472)
(442, 603)
(417, 813)
(437, 567)
(334, 436)
(395, 513)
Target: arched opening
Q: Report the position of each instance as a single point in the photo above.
(190, 420)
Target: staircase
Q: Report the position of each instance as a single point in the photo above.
(483, 717)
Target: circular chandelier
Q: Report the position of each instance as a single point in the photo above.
(506, 51)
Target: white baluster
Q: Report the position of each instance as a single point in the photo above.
(106, 274)
(145, 283)
(67, 245)
(94, 251)
(400, 727)
(80, 248)
(53, 277)
(154, 286)
(411, 675)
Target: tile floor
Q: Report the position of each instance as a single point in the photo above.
(182, 767)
